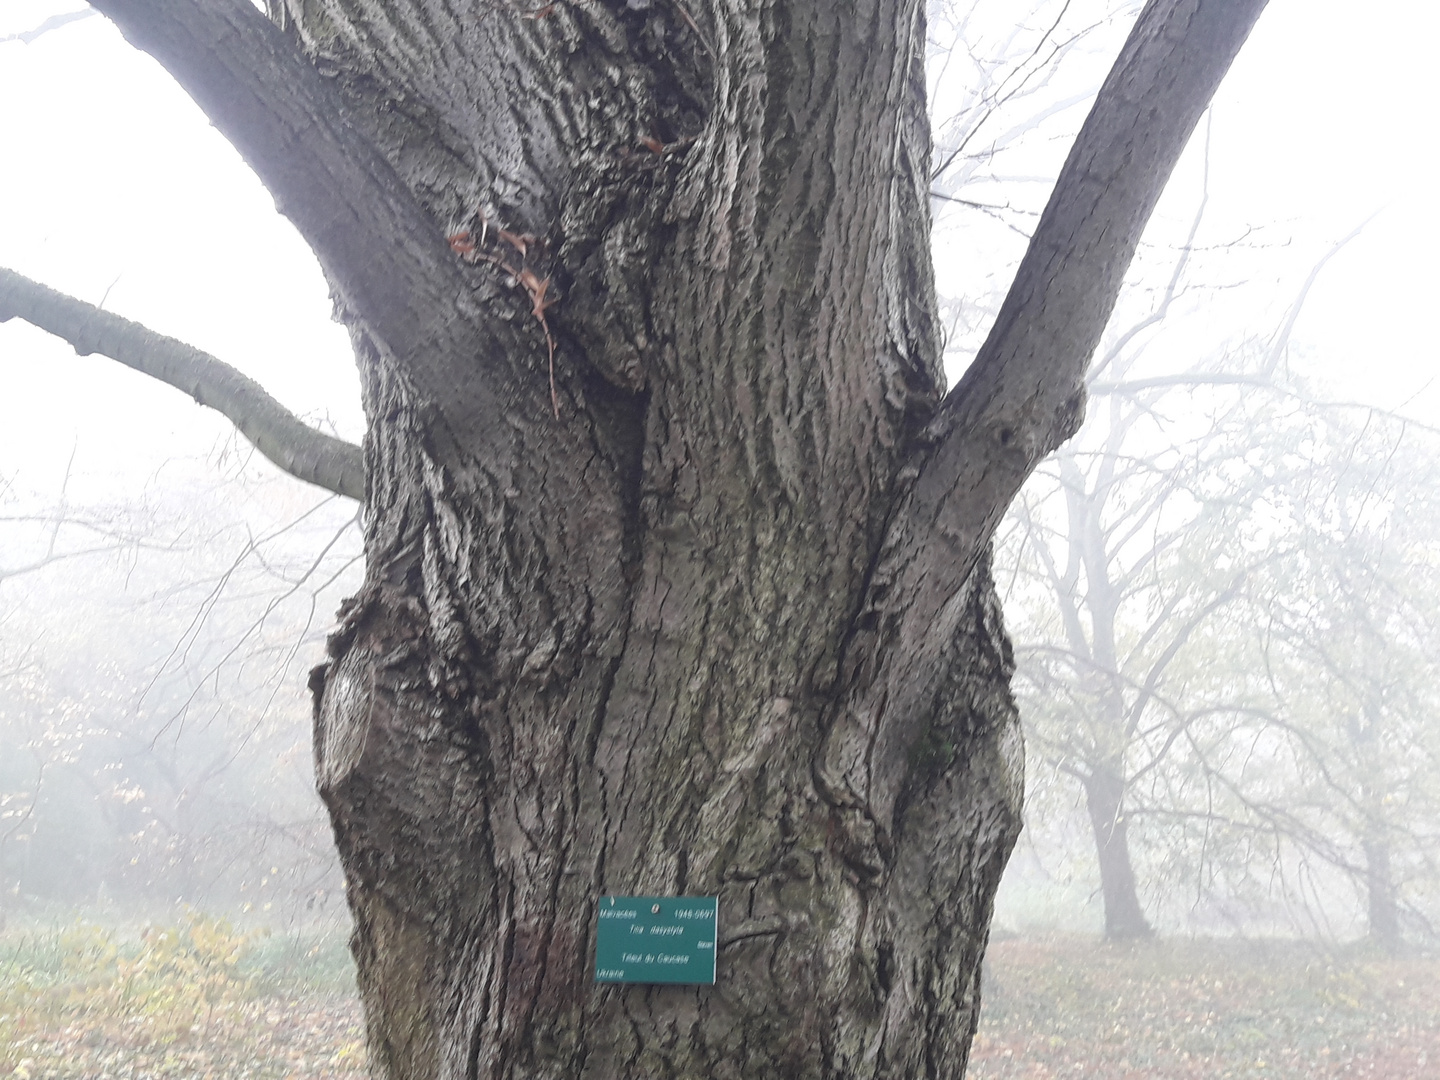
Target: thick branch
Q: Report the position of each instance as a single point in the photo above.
(1024, 393)
(386, 258)
(277, 433)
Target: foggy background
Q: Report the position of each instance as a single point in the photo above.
(1257, 475)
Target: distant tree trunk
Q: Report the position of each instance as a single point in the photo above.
(1105, 776)
(1384, 911)
(1364, 731)
(1105, 800)
(678, 573)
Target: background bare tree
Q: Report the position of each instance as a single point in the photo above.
(1346, 639)
(1214, 642)
(152, 748)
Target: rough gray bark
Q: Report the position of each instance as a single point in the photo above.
(716, 618)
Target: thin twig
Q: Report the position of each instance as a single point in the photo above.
(690, 21)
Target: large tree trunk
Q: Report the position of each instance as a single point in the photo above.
(602, 653)
(679, 585)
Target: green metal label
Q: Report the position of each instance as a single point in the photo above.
(656, 939)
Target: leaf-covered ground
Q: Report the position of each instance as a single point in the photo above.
(1170, 1010)
(199, 999)
(268, 1039)
(194, 999)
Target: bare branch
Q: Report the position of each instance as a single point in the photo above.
(1172, 286)
(54, 22)
(1282, 338)
(295, 447)
(1023, 394)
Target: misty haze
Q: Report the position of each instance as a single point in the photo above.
(461, 462)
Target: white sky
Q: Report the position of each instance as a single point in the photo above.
(1328, 116)
(113, 181)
